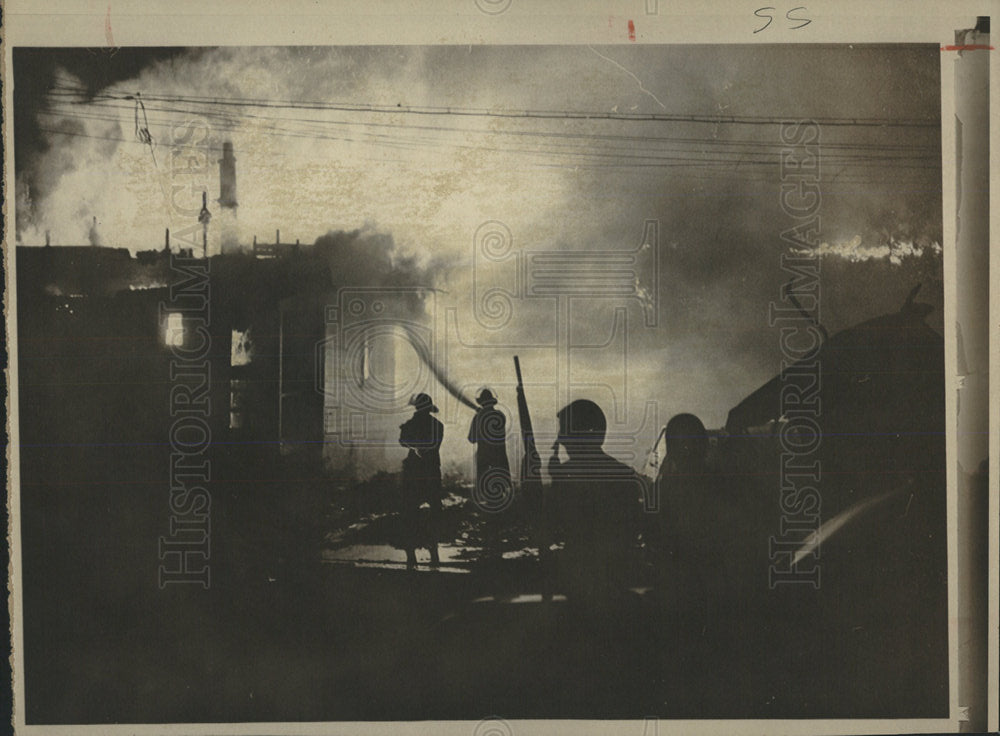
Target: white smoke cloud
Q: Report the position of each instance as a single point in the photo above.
(302, 172)
(64, 189)
(431, 182)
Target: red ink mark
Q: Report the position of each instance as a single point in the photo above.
(968, 47)
(107, 28)
(631, 31)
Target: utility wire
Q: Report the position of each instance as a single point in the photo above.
(590, 136)
(698, 169)
(682, 143)
(537, 114)
(764, 156)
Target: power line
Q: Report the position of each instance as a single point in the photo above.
(730, 164)
(764, 156)
(713, 141)
(722, 170)
(535, 114)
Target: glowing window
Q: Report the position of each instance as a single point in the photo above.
(237, 399)
(175, 330)
(241, 352)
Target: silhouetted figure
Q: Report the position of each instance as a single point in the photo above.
(421, 435)
(699, 520)
(595, 499)
(693, 541)
(493, 492)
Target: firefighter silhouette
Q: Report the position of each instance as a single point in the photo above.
(493, 492)
(421, 435)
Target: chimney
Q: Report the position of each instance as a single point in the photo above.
(277, 237)
(227, 177)
(166, 241)
(48, 241)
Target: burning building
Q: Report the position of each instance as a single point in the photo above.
(302, 364)
(323, 344)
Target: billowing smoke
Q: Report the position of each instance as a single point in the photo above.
(225, 222)
(24, 220)
(142, 167)
(556, 185)
(64, 187)
(369, 258)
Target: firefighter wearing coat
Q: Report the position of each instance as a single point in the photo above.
(493, 493)
(421, 435)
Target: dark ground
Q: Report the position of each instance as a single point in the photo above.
(280, 637)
